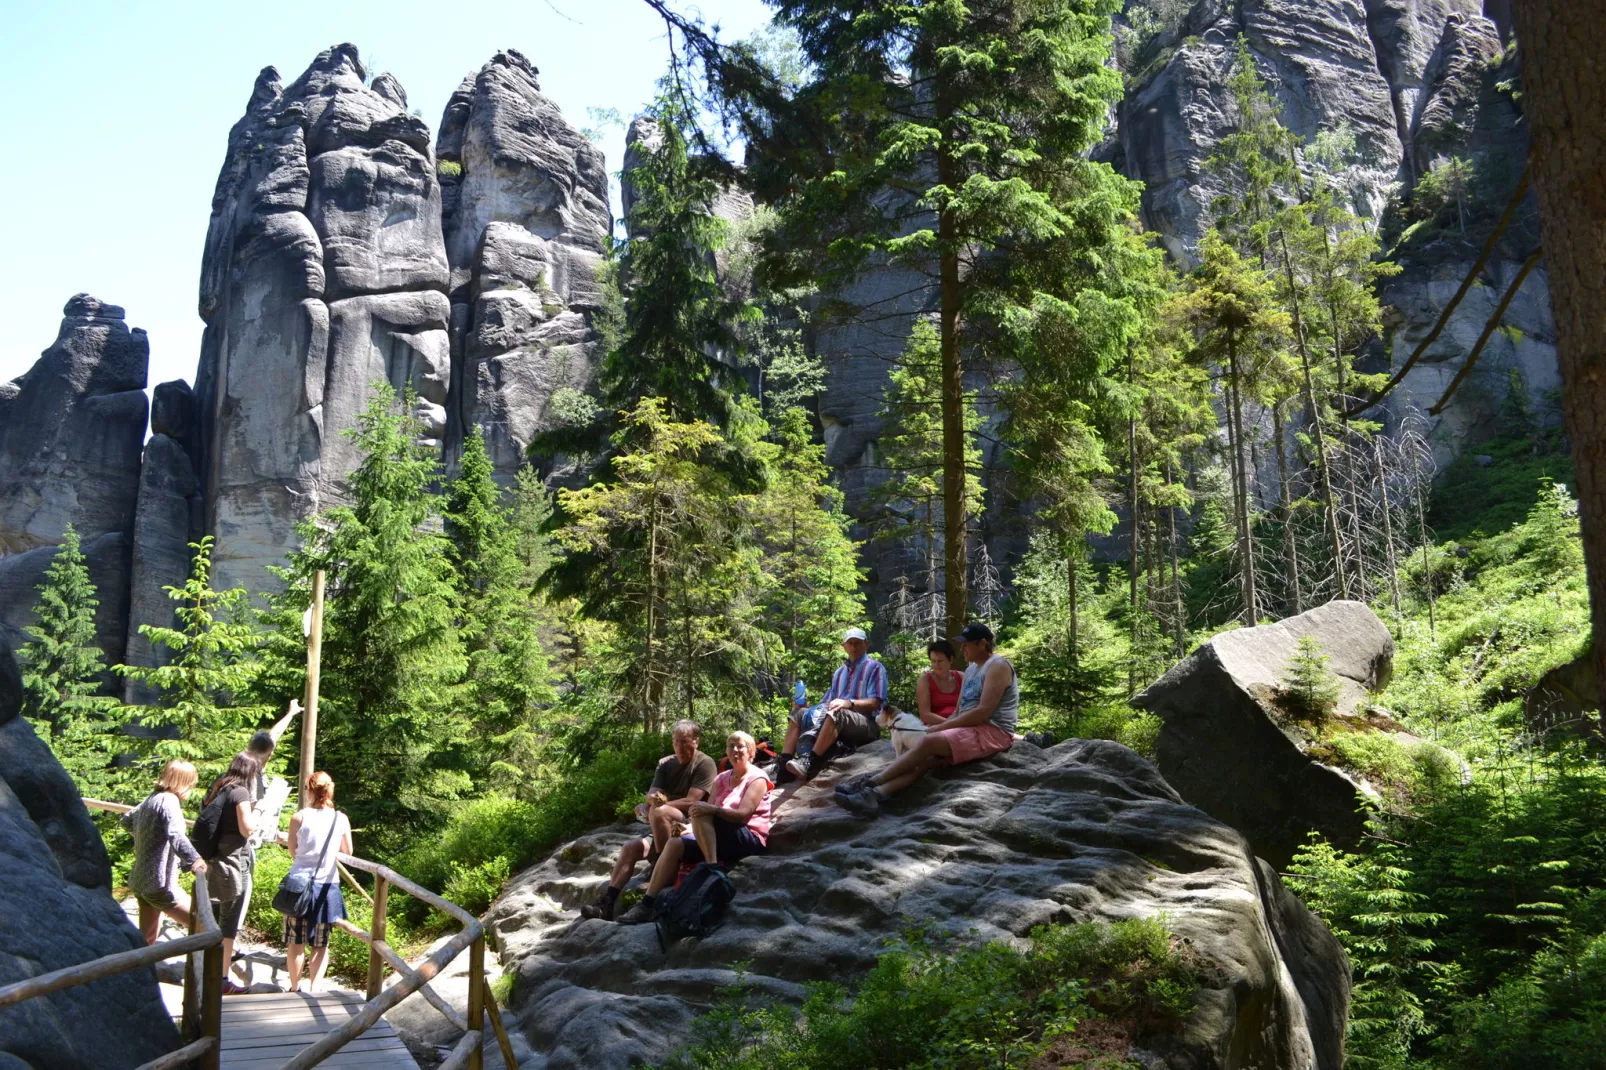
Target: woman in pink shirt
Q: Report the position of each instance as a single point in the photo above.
(732, 824)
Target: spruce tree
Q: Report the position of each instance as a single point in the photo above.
(61, 665)
(1311, 688)
(498, 619)
(809, 559)
(389, 729)
(212, 662)
(940, 135)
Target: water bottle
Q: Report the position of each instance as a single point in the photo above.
(800, 695)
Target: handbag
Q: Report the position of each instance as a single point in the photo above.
(296, 896)
(228, 874)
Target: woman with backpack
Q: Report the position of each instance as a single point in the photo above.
(160, 846)
(226, 823)
(318, 835)
(732, 825)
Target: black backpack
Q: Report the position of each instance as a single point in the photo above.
(696, 907)
(203, 837)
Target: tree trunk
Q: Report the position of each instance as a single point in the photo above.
(1071, 643)
(1132, 554)
(953, 387)
(1565, 83)
(1388, 523)
(1290, 545)
(1246, 548)
(1176, 582)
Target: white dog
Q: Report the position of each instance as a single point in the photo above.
(907, 729)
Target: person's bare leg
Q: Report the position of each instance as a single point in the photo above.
(228, 956)
(150, 922)
(932, 751)
(320, 962)
(629, 855)
(661, 819)
(663, 874)
(702, 827)
(794, 729)
(293, 964)
(827, 735)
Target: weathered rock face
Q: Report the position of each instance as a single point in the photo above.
(169, 517)
(56, 910)
(1084, 831)
(70, 435)
(525, 219)
(1566, 700)
(1413, 81)
(1227, 748)
(325, 270)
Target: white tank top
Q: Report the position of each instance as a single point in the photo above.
(316, 828)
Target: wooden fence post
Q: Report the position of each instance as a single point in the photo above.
(376, 965)
(309, 714)
(212, 968)
(476, 1000)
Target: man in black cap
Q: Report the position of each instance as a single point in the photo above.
(984, 724)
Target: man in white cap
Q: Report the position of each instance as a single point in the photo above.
(847, 713)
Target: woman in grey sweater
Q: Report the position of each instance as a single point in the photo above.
(160, 844)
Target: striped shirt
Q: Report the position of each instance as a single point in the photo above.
(865, 678)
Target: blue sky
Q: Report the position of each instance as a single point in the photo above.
(116, 115)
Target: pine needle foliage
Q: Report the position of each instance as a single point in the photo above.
(1309, 687)
(61, 665)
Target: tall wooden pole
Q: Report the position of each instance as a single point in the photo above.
(309, 716)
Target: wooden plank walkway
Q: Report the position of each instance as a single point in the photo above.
(260, 1032)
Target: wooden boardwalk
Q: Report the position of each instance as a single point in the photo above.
(261, 1032)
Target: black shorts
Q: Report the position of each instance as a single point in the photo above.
(733, 842)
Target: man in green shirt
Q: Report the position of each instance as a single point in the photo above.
(683, 778)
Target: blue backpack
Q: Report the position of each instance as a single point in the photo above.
(696, 907)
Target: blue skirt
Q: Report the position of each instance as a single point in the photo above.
(328, 908)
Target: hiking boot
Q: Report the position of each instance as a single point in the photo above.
(640, 914)
(866, 802)
(805, 766)
(603, 908)
(777, 772)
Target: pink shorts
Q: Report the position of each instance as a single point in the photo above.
(979, 741)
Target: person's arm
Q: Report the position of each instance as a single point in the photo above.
(992, 692)
(693, 795)
(173, 815)
(752, 795)
(245, 817)
(283, 723)
(345, 835)
(295, 828)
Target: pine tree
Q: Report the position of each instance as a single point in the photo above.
(392, 660)
(1241, 329)
(912, 502)
(978, 117)
(61, 666)
(1311, 688)
(212, 661)
(660, 551)
(499, 620)
(809, 559)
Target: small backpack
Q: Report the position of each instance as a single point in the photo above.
(696, 907)
(203, 837)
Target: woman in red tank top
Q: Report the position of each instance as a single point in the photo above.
(938, 689)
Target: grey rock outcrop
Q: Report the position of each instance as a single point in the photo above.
(1084, 831)
(56, 910)
(324, 271)
(526, 216)
(1566, 700)
(1226, 746)
(70, 434)
(169, 517)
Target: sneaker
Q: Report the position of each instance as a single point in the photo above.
(863, 803)
(603, 908)
(639, 914)
(805, 765)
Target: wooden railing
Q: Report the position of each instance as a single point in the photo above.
(203, 1001)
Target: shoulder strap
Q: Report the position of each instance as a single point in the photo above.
(334, 827)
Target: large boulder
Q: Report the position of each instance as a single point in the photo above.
(1085, 831)
(526, 218)
(1566, 700)
(324, 271)
(56, 910)
(70, 439)
(1228, 746)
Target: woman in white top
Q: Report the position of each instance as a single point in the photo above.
(314, 828)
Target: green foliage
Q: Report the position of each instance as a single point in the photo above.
(212, 659)
(1473, 499)
(988, 1006)
(61, 671)
(1309, 688)
(449, 169)
(393, 659)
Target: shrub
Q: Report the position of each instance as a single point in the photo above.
(985, 1006)
(1309, 688)
(448, 168)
